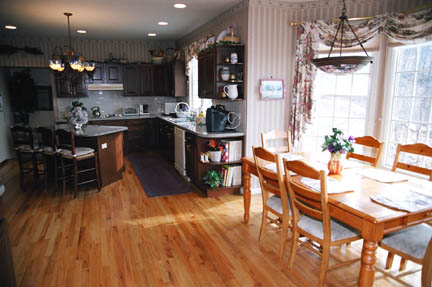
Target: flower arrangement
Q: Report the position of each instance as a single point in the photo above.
(78, 114)
(213, 146)
(337, 143)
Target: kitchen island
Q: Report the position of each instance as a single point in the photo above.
(107, 141)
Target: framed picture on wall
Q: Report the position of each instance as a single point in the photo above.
(272, 89)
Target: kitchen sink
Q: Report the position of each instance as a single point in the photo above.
(178, 120)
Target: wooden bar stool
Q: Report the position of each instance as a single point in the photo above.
(68, 152)
(28, 153)
(49, 152)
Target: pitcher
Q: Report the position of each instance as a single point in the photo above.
(231, 91)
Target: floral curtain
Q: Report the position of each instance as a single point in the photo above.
(192, 51)
(412, 28)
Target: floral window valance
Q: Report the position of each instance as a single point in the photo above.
(406, 28)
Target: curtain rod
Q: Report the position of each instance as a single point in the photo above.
(406, 11)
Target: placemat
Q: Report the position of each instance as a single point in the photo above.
(333, 185)
(405, 200)
(382, 175)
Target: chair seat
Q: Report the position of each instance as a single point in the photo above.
(27, 148)
(48, 150)
(412, 241)
(275, 203)
(315, 227)
(79, 152)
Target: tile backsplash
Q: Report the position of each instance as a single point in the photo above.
(113, 102)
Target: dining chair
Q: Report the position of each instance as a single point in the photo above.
(69, 152)
(311, 218)
(28, 153)
(371, 142)
(277, 141)
(417, 149)
(415, 244)
(274, 194)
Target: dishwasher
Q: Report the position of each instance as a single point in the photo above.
(179, 151)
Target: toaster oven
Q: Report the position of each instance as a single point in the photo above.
(131, 111)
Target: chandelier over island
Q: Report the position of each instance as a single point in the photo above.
(68, 59)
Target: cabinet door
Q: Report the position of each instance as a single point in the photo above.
(62, 87)
(132, 82)
(169, 80)
(202, 62)
(159, 81)
(80, 86)
(113, 73)
(98, 74)
(146, 75)
(210, 76)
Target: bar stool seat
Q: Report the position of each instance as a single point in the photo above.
(79, 152)
(28, 148)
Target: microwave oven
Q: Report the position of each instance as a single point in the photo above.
(131, 111)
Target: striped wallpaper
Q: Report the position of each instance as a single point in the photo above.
(98, 50)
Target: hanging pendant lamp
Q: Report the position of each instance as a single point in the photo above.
(342, 64)
(68, 57)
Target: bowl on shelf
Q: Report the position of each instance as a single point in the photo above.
(157, 60)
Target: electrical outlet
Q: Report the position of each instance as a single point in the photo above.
(104, 145)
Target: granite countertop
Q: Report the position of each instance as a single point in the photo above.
(91, 119)
(201, 130)
(92, 130)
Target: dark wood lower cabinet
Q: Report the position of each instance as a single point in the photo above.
(140, 136)
(7, 274)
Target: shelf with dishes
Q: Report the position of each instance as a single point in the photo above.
(230, 64)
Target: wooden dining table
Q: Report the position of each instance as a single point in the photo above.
(356, 209)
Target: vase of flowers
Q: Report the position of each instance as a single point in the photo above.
(337, 145)
(77, 115)
(215, 151)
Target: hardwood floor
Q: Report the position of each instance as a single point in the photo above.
(119, 237)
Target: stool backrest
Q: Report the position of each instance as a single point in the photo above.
(22, 136)
(65, 140)
(48, 138)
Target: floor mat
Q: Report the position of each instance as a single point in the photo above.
(157, 177)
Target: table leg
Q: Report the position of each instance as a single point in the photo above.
(246, 195)
(368, 259)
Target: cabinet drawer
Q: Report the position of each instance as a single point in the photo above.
(136, 122)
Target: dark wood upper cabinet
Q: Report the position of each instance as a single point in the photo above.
(113, 73)
(159, 81)
(138, 80)
(131, 83)
(68, 85)
(106, 74)
(210, 63)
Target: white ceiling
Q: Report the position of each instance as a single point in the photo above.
(110, 19)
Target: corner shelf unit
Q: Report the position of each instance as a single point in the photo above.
(203, 167)
(210, 64)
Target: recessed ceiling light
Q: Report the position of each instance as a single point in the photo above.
(151, 34)
(10, 27)
(179, 5)
(82, 31)
(162, 23)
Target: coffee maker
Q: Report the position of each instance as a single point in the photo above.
(144, 109)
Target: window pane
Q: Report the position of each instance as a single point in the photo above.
(359, 107)
(356, 127)
(426, 58)
(401, 108)
(343, 84)
(421, 109)
(325, 126)
(361, 85)
(416, 133)
(325, 106)
(424, 84)
(405, 85)
(399, 132)
(407, 60)
(342, 106)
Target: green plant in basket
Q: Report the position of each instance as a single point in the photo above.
(213, 178)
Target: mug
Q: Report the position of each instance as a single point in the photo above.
(231, 91)
(234, 58)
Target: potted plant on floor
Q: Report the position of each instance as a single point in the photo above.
(213, 178)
